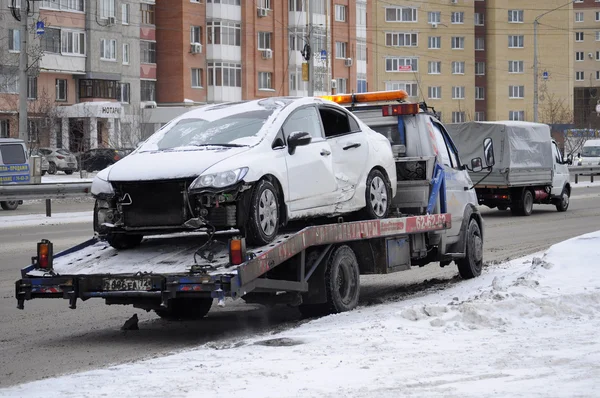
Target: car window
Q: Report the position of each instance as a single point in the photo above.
(557, 155)
(336, 122)
(63, 152)
(440, 144)
(45, 151)
(454, 158)
(304, 119)
(591, 151)
(12, 154)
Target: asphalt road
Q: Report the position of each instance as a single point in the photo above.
(48, 339)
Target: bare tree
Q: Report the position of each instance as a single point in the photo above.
(555, 110)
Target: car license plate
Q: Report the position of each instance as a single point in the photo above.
(127, 284)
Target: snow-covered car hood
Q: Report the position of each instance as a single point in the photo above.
(161, 165)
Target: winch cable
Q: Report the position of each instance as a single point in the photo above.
(208, 250)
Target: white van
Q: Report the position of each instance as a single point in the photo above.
(14, 167)
(590, 153)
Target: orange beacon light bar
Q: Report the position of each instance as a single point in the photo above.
(396, 95)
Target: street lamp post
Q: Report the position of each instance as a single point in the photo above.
(535, 58)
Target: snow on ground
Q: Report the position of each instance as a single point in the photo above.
(28, 220)
(528, 328)
(61, 177)
(586, 184)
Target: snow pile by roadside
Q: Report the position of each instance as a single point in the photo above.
(528, 328)
(60, 177)
(28, 220)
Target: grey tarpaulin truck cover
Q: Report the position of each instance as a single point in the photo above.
(522, 150)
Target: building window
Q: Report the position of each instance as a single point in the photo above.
(264, 40)
(31, 87)
(195, 34)
(479, 19)
(435, 67)
(458, 117)
(398, 64)
(361, 51)
(400, 14)
(9, 83)
(480, 116)
(578, 36)
(147, 90)
(265, 4)
(515, 16)
(125, 14)
(197, 78)
(515, 67)
(342, 86)
(224, 74)
(598, 75)
(479, 93)
(516, 115)
(293, 81)
(125, 54)
(61, 90)
(124, 92)
(72, 42)
(479, 68)
(147, 52)
(14, 41)
(458, 43)
(515, 41)
(4, 128)
(107, 9)
(597, 55)
(516, 91)
(579, 56)
(361, 85)
(458, 92)
(579, 76)
(458, 67)
(50, 41)
(340, 13)
(225, 33)
(265, 81)
(435, 42)
(340, 49)
(146, 14)
(401, 39)
(479, 43)
(434, 92)
(411, 88)
(108, 50)
(296, 5)
(579, 17)
(598, 35)
(457, 17)
(597, 16)
(94, 88)
(63, 5)
(434, 17)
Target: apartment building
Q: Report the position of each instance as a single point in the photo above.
(84, 85)
(228, 50)
(586, 25)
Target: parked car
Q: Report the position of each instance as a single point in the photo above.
(59, 160)
(14, 167)
(101, 158)
(249, 165)
(45, 163)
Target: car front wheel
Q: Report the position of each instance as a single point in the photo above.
(9, 205)
(52, 168)
(263, 220)
(377, 196)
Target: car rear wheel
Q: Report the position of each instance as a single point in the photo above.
(470, 266)
(9, 205)
(68, 172)
(263, 221)
(377, 196)
(52, 168)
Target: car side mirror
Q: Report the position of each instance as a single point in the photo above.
(488, 152)
(476, 165)
(296, 139)
(569, 159)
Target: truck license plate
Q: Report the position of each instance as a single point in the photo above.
(127, 284)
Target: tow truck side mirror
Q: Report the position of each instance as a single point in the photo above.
(569, 159)
(476, 165)
(488, 152)
(296, 139)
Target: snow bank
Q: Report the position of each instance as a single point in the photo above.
(40, 219)
(524, 328)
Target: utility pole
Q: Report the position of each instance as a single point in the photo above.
(23, 80)
(311, 60)
(535, 70)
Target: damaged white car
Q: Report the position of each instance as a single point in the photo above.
(251, 166)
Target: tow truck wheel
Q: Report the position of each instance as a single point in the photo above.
(9, 205)
(263, 221)
(377, 196)
(563, 205)
(342, 280)
(186, 309)
(470, 266)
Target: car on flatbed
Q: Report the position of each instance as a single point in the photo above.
(251, 165)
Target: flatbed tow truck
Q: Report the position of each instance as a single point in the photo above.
(314, 267)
